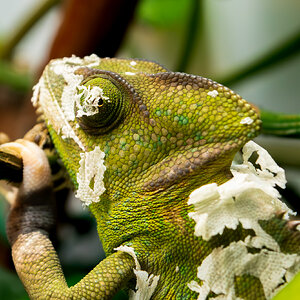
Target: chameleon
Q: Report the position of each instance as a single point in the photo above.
(136, 140)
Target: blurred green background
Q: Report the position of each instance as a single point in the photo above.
(253, 46)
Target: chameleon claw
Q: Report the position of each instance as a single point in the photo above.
(281, 214)
(36, 169)
(292, 225)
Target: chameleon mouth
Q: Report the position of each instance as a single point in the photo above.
(199, 164)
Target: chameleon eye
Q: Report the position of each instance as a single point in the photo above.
(99, 105)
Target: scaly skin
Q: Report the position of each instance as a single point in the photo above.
(164, 134)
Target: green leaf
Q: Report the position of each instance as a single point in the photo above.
(163, 13)
(291, 291)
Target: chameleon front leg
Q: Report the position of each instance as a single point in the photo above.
(30, 221)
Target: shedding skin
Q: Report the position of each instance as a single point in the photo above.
(163, 134)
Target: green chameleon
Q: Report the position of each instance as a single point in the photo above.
(136, 140)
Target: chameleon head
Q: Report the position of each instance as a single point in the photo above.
(125, 126)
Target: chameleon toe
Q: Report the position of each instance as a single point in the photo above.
(36, 170)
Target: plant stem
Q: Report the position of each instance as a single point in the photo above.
(281, 53)
(280, 124)
(190, 36)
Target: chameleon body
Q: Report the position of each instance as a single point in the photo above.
(136, 140)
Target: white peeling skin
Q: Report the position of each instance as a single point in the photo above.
(36, 170)
(248, 197)
(247, 121)
(145, 283)
(70, 90)
(59, 115)
(66, 67)
(91, 98)
(131, 252)
(213, 215)
(219, 269)
(245, 199)
(213, 93)
(54, 114)
(91, 168)
(130, 73)
(133, 63)
(267, 164)
(202, 290)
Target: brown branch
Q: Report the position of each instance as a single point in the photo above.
(92, 26)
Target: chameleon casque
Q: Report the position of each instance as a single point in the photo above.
(137, 140)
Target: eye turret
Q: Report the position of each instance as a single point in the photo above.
(100, 104)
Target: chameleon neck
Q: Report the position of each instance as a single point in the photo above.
(145, 221)
(147, 214)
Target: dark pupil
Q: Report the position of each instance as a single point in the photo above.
(100, 102)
